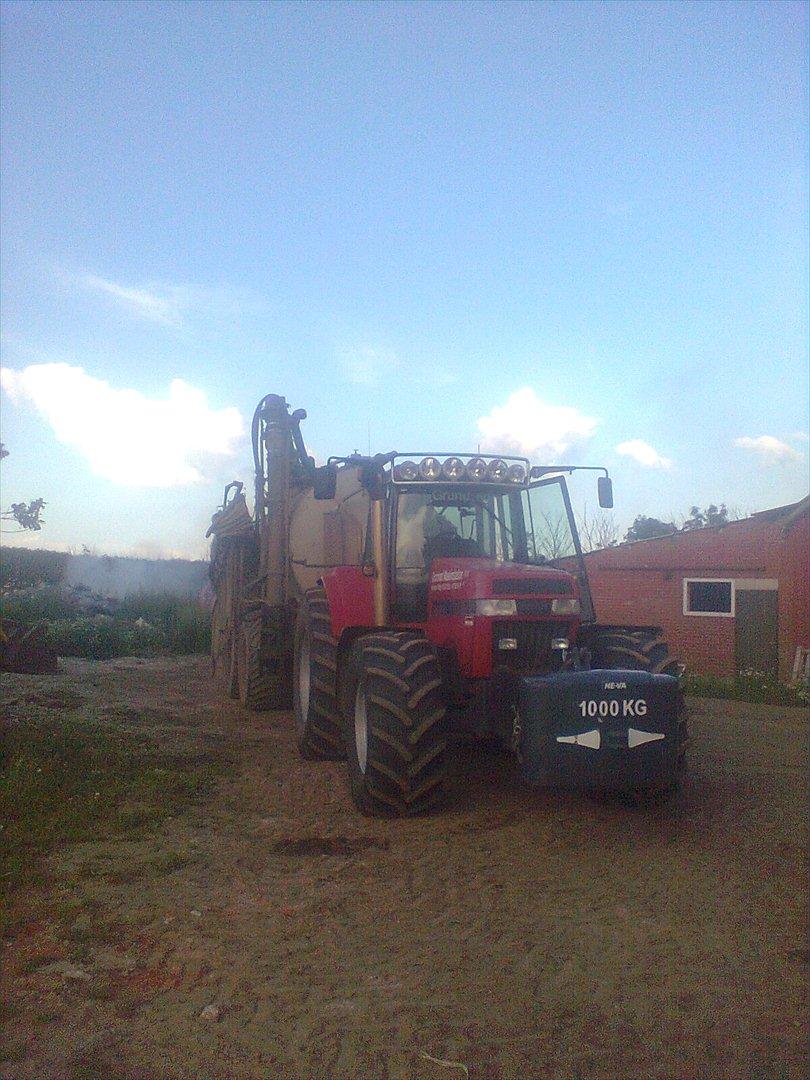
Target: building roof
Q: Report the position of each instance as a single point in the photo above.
(712, 546)
(788, 515)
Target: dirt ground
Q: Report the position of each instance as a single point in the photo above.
(273, 932)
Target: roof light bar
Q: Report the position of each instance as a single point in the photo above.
(455, 468)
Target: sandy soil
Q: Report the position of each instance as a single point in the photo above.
(518, 934)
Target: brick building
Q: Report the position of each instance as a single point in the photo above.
(732, 597)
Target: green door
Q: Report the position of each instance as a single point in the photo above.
(756, 632)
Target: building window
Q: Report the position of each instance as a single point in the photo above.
(708, 596)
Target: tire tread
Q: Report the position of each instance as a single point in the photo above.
(406, 750)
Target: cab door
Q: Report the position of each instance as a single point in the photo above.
(552, 538)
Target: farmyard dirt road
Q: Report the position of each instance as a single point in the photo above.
(270, 931)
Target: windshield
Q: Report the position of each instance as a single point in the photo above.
(437, 524)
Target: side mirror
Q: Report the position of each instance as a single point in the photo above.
(604, 486)
(324, 483)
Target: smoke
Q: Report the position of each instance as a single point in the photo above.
(110, 575)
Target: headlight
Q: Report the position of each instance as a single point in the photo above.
(565, 606)
(453, 469)
(430, 468)
(497, 470)
(477, 468)
(517, 473)
(496, 607)
(406, 471)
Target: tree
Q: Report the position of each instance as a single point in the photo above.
(27, 515)
(645, 528)
(552, 537)
(706, 519)
(597, 531)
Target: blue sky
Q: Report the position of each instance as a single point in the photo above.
(568, 228)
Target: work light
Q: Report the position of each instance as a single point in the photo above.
(477, 468)
(453, 469)
(407, 471)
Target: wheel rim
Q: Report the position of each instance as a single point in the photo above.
(360, 727)
(303, 676)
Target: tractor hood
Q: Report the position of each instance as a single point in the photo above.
(474, 579)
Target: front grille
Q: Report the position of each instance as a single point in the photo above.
(533, 652)
(453, 607)
(533, 607)
(526, 586)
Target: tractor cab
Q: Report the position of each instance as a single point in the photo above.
(488, 509)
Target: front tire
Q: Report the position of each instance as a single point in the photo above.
(394, 729)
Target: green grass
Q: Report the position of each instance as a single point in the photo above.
(754, 687)
(75, 778)
(142, 625)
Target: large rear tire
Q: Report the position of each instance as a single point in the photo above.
(317, 719)
(223, 656)
(260, 687)
(394, 729)
(637, 650)
(227, 576)
(253, 684)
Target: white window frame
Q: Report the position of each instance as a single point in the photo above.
(710, 581)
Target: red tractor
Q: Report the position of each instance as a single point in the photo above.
(394, 600)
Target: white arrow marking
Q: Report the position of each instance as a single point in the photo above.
(593, 739)
(638, 738)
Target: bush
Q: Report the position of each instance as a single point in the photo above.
(103, 637)
(26, 567)
(31, 607)
(136, 626)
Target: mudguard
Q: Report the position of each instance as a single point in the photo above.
(605, 728)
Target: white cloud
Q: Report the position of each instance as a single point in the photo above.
(172, 305)
(124, 435)
(800, 436)
(644, 454)
(365, 367)
(769, 449)
(161, 307)
(532, 427)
